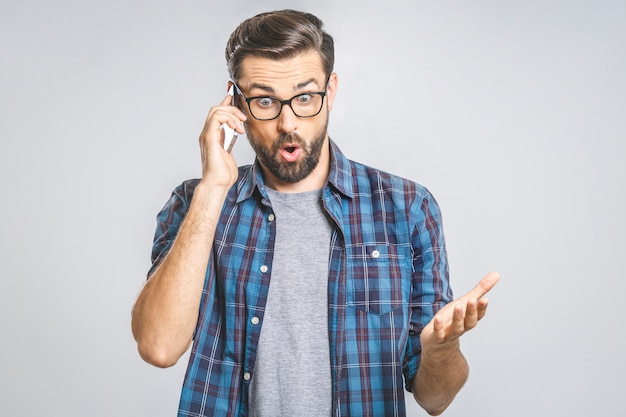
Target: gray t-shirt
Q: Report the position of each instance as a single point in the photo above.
(292, 371)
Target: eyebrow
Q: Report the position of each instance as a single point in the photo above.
(270, 90)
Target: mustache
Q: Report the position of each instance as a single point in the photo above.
(288, 139)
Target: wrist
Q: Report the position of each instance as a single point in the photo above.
(208, 199)
(443, 353)
(207, 187)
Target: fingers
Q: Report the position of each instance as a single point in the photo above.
(218, 165)
(448, 326)
(224, 113)
(476, 310)
(461, 315)
(476, 300)
(482, 308)
(465, 316)
(458, 320)
(227, 101)
(470, 319)
(438, 328)
(234, 116)
(484, 286)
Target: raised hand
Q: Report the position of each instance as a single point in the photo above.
(218, 166)
(459, 316)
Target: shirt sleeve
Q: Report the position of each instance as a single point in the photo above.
(431, 287)
(168, 222)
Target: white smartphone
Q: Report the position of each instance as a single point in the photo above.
(230, 135)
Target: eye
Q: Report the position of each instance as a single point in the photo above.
(304, 99)
(265, 101)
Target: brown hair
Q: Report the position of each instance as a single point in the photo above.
(279, 35)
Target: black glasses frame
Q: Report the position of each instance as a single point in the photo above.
(282, 102)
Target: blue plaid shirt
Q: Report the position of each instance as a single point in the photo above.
(387, 277)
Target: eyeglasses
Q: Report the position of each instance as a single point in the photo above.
(269, 108)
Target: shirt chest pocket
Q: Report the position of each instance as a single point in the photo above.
(378, 277)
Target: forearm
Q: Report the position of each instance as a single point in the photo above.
(440, 376)
(166, 312)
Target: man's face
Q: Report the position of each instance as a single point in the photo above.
(290, 149)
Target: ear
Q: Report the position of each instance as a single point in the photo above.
(331, 90)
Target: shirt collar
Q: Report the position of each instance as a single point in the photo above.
(339, 176)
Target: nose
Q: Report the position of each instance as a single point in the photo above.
(287, 120)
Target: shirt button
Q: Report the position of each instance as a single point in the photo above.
(254, 320)
(271, 217)
(264, 268)
(375, 254)
(246, 376)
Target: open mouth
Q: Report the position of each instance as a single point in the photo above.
(291, 153)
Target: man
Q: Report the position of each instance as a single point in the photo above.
(307, 284)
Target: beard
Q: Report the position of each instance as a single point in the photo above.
(290, 172)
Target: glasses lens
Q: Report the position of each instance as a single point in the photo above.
(306, 105)
(303, 105)
(265, 108)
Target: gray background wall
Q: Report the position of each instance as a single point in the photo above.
(511, 112)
